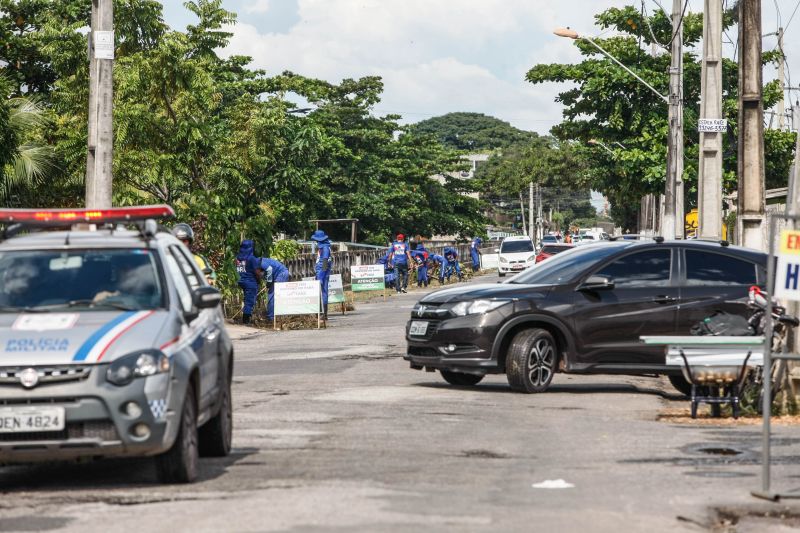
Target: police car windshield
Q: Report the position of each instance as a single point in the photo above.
(100, 280)
(513, 247)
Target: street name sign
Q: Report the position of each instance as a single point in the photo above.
(297, 298)
(787, 276)
(712, 125)
(367, 278)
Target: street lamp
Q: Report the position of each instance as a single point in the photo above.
(673, 212)
(604, 146)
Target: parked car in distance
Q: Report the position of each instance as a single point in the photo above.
(549, 250)
(551, 239)
(582, 311)
(515, 255)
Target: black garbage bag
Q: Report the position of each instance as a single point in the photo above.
(722, 323)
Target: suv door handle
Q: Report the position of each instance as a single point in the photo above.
(664, 299)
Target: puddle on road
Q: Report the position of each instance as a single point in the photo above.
(720, 451)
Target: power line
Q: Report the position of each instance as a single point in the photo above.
(792, 17)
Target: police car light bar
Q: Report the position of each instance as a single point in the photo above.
(58, 217)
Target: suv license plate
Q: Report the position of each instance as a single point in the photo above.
(418, 328)
(30, 419)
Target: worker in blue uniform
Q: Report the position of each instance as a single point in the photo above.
(389, 276)
(436, 259)
(400, 257)
(420, 257)
(452, 265)
(475, 253)
(247, 267)
(273, 271)
(323, 266)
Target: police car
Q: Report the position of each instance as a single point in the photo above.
(112, 344)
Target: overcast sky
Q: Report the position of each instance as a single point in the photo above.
(438, 56)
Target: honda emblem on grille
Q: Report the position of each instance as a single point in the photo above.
(29, 378)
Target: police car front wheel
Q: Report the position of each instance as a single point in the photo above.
(179, 463)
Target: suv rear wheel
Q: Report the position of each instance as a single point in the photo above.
(460, 378)
(680, 383)
(179, 463)
(531, 360)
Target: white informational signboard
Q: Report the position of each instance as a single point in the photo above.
(787, 275)
(297, 298)
(489, 261)
(367, 278)
(335, 289)
(712, 125)
(103, 45)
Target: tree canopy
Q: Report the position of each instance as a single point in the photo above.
(473, 131)
(219, 141)
(603, 102)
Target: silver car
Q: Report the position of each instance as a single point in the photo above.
(113, 344)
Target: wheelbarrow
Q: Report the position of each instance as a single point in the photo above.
(716, 367)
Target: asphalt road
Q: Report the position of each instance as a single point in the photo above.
(335, 433)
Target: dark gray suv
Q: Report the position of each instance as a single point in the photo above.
(582, 311)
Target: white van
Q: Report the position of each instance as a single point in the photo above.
(515, 255)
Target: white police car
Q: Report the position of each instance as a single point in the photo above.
(111, 342)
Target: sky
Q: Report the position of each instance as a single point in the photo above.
(440, 56)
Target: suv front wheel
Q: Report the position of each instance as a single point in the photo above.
(531, 360)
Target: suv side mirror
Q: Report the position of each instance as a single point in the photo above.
(597, 283)
(497, 250)
(206, 297)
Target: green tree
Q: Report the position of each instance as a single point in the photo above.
(473, 131)
(606, 103)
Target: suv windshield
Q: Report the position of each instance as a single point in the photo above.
(89, 279)
(514, 247)
(567, 265)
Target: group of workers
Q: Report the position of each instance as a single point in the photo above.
(397, 262)
(400, 258)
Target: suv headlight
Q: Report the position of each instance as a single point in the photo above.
(476, 307)
(531, 258)
(503, 259)
(136, 365)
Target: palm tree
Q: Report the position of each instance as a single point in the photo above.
(26, 162)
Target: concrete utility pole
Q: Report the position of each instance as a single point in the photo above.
(709, 194)
(101, 105)
(522, 208)
(531, 221)
(539, 214)
(674, 208)
(751, 197)
(781, 78)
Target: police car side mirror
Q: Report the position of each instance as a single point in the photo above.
(206, 298)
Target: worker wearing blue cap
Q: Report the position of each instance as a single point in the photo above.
(323, 266)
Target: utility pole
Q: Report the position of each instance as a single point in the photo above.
(539, 214)
(101, 105)
(674, 190)
(709, 194)
(781, 78)
(531, 223)
(522, 208)
(751, 198)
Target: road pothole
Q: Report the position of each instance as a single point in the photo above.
(483, 454)
(712, 450)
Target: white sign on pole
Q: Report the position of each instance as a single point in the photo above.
(335, 288)
(297, 298)
(104, 45)
(787, 275)
(712, 125)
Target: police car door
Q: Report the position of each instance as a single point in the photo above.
(205, 331)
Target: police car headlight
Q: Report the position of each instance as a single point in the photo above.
(476, 307)
(503, 260)
(139, 364)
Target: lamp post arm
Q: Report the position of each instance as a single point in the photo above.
(629, 71)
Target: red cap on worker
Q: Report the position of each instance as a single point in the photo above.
(400, 236)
